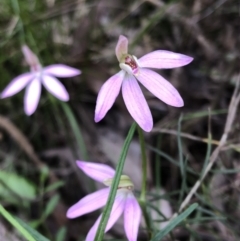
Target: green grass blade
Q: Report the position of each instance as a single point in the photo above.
(36, 235)
(174, 223)
(76, 129)
(27, 232)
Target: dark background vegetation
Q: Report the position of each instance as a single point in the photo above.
(38, 153)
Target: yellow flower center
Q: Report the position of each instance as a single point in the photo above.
(125, 182)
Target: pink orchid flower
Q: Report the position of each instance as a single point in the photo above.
(132, 69)
(33, 81)
(125, 202)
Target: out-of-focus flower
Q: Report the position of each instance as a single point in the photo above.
(132, 69)
(125, 202)
(32, 80)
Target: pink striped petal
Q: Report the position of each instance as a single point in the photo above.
(108, 94)
(16, 85)
(121, 48)
(55, 87)
(89, 203)
(61, 70)
(97, 171)
(116, 212)
(160, 87)
(162, 59)
(132, 217)
(32, 96)
(136, 103)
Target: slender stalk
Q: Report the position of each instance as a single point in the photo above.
(114, 186)
(76, 129)
(142, 199)
(144, 165)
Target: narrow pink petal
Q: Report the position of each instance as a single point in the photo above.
(162, 59)
(92, 232)
(118, 207)
(108, 94)
(97, 171)
(61, 70)
(16, 85)
(89, 203)
(32, 96)
(116, 212)
(136, 103)
(160, 87)
(55, 87)
(132, 217)
(30, 57)
(122, 47)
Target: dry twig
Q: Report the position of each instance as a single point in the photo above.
(230, 118)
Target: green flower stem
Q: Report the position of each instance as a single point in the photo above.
(144, 165)
(146, 218)
(142, 199)
(108, 208)
(76, 129)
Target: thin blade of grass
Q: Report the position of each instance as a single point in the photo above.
(174, 223)
(76, 129)
(27, 232)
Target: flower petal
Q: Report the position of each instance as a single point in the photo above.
(32, 96)
(116, 212)
(55, 87)
(108, 94)
(160, 87)
(30, 57)
(136, 103)
(162, 59)
(132, 217)
(122, 47)
(89, 203)
(97, 171)
(16, 85)
(61, 70)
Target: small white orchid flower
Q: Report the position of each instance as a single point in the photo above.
(132, 69)
(33, 81)
(125, 202)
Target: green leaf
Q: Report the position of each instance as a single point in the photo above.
(61, 234)
(113, 191)
(35, 234)
(174, 223)
(51, 205)
(54, 186)
(76, 129)
(17, 185)
(27, 232)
